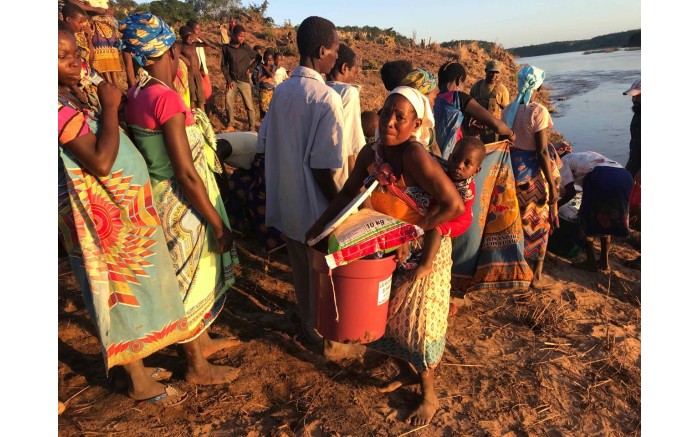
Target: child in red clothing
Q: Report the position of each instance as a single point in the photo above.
(462, 165)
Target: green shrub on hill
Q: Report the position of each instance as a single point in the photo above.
(172, 11)
(373, 33)
(455, 44)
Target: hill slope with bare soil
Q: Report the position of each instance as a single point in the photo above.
(371, 56)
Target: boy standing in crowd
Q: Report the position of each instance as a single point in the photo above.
(341, 76)
(236, 61)
(188, 54)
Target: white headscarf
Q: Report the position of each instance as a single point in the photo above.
(422, 106)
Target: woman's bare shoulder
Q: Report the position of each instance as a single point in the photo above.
(416, 151)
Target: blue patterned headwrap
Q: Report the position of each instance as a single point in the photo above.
(145, 36)
(529, 79)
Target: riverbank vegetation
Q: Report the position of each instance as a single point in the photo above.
(630, 38)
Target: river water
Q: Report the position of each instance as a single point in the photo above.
(586, 90)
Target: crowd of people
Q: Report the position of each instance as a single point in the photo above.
(144, 221)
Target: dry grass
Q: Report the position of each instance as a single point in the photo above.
(541, 313)
(463, 54)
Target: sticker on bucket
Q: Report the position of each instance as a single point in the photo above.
(384, 291)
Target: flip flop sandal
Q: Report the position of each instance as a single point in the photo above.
(168, 392)
(160, 374)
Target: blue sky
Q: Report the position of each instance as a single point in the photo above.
(511, 23)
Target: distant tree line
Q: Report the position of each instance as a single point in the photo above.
(630, 38)
(455, 43)
(372, 33)
(174, 11)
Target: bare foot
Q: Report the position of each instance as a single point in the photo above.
(210, 346)
(424, 413)
(542, 284)
(341, 351)
(405, 377)
(211, 374)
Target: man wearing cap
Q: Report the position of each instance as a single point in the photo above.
(634, 163)
(492, 95)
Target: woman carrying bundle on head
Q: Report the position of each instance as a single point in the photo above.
(426, 83)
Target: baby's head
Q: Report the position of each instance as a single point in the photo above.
(370, 122)
(75, 17)
(465, 160)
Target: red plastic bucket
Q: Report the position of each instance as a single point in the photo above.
(353, 302)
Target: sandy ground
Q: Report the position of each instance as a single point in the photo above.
(565, 362)
(559, 363)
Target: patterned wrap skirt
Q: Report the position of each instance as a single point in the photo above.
(106, 42)
(490, 254)
(117, 249)
(265, 99)
(203, 275)
(417, 319)
(246, 205)
(605, 203)
(532, 190)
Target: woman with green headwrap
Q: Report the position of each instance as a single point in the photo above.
(179, 148)
(535, 168)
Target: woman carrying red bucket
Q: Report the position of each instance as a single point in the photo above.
(417, 320)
